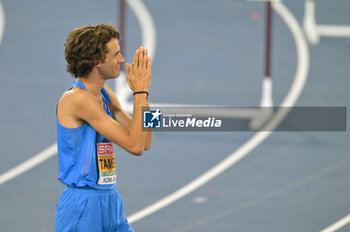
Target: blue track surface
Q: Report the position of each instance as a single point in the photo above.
(207, 53)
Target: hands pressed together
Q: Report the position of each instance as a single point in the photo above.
(139, 72)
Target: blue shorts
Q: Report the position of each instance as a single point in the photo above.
(85, 210)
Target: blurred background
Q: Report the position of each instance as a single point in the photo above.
(206, 52)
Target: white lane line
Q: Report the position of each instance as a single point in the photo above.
(339, 224)
(29, 164)
(262, 198)
(259, 137)
(2, 21)
(147, 25)
(35, 160)
(148, 41)
(292, 96)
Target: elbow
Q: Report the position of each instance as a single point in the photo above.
(138, 151)
(147, 147)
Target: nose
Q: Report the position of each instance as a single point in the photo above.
(120, 58)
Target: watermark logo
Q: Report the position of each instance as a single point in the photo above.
(162, 118)
(152, 119)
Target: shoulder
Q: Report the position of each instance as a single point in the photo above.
(77, 98)
(72, 105)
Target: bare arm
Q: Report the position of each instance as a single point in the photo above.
(124, 119)
(148, 138)
(119, 113)
(85, 107)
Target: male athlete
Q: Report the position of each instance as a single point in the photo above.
(89, 120)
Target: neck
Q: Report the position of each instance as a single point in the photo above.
(93, 83)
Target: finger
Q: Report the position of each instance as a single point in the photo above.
(127, 79)
(128, 67)
(135, 60)
(141, 57)
(129, 73)
(128, 70)
(149, 63)
(145, 59)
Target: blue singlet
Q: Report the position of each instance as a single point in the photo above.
(77, 151)
(86, 161)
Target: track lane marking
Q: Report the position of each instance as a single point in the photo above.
(2, 21)
(29, 164)
(337, 225)
(289, 101)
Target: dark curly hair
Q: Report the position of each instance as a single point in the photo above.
(86, 47)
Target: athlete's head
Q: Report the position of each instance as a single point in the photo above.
(93, 46)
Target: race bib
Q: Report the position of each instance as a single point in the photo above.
(106, 163)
